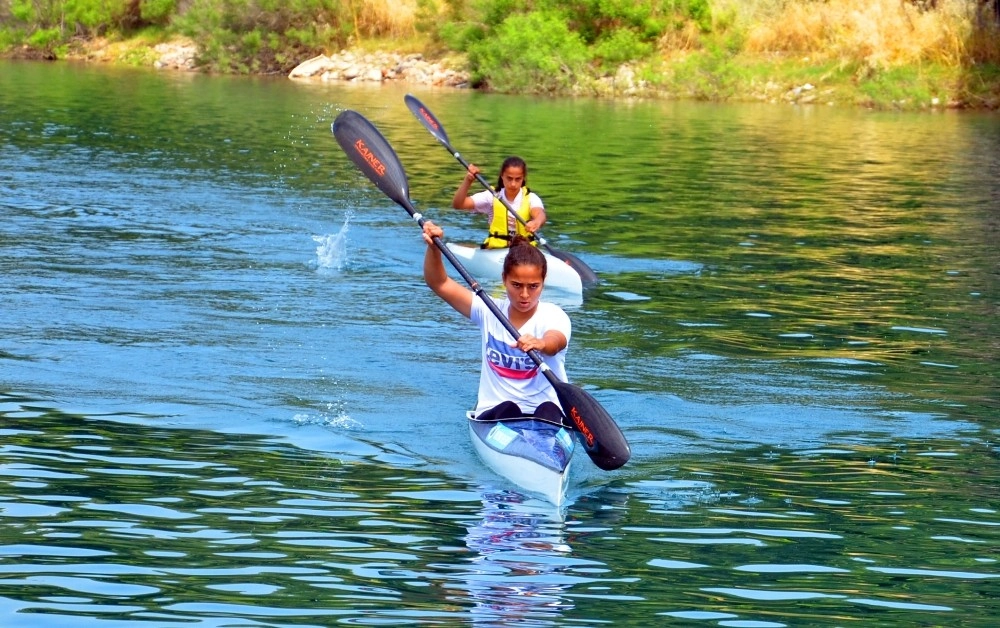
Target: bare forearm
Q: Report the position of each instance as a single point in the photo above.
(434, 272)
(462, 200)
(538, 219)
(550, 344)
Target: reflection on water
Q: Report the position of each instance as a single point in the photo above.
(520, 560)
(227, 397)
(125, 522)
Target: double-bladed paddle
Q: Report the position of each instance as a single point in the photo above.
(587, 276)
(371, 153)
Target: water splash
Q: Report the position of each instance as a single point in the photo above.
(339, 420)
(331, 254)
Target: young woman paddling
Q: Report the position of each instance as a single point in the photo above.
(512, 183)
(510, 383)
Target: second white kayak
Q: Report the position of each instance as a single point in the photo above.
(487, 264)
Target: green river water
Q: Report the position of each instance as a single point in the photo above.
(228, 400)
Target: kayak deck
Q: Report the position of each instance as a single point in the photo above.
(488, 264)
(532, 453)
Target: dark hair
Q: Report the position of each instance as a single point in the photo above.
(523, 253)
(512, 162)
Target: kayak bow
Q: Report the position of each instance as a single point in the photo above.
(532, 453)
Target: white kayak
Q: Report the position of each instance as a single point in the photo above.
(532, 453)
(487, 264)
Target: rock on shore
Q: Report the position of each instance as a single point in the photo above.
(176, 55)
(180, 54)
(377, 67)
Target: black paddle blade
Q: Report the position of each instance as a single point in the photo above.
(587, 276)
(422, 113)
(373, 155)
(598, 433)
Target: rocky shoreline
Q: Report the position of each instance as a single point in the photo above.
(382, 67)
(346, 65)
(181, 54)
(377, 67)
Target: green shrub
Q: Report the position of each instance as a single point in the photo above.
(534, 52)
(251, 43)
(157, 12)
(23, 10)
(430, 19)
(619, 47)
(9, 38)
(495, 12)
(460, 37)
(91, 16)
(45, 38)
(71, 18)
(598, 19)
(708, 74)
(264, 35)
(700, 13)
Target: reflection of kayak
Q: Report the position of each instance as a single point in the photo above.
(532, 453)
(487, 264)
(521, 544)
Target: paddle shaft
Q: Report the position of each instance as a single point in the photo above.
(372, 154)
(432, 124)
(499, 195)
(483, 295)
(567, 393)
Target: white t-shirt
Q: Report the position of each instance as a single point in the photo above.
(484, 205)
(509, 373)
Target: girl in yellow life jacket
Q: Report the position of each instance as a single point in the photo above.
(513, 185)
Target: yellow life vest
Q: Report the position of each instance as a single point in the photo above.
(499, 236)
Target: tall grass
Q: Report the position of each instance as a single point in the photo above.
(385, 18)
(878, 34)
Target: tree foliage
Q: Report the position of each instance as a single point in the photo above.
(262, 35)
(511, 45)
(85, 17)
(530, 52)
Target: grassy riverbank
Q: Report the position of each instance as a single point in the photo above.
(904, 54)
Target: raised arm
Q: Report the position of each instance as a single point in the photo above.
(450, 291)
(462, 200)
